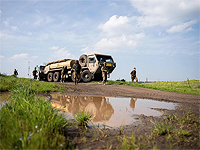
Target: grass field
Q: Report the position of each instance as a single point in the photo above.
(189, 87)
(8, 82)
(29, 122)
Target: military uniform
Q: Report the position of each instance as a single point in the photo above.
(77, 70)
(133, 75)
(15, 73)
(63, 73)
(35, 73)
(104, 74)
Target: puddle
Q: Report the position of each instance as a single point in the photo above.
(113, 112)
(4, 96)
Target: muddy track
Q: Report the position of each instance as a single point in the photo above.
(108, 138)
(111, 90)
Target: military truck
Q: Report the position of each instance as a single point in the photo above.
(91, 68)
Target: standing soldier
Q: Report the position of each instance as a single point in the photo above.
(104, 73)
(15, 73)
(63, 73)
(77, 71)
(133, 75)
(35, 73)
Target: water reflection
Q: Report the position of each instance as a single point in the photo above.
(99, 107)
(112, 111)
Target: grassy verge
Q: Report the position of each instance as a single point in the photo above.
(28, 122)
(8, 82)
(189, 87)
(172, 132)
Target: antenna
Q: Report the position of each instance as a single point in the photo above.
(29, 75)
(28, 68)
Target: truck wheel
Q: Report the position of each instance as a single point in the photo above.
(86, 76)
(83, 60)
(56, 76)
(50, 77)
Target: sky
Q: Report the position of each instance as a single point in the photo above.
(158, 37)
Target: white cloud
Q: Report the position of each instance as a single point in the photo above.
(117, 25)
(2, 57)
(0, 12)
(118, 34)
(118, 43)
(14, 28)
(61, 53)
(54, 48)
(181, 27)
(21, 57)
(6, 23)
(5, 36)
(165, 12)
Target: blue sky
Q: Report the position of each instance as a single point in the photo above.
(158, 37)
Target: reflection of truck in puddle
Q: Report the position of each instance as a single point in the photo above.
(98, 106)
(91, 68)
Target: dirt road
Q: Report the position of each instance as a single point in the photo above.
(111, 90)
(109, 138)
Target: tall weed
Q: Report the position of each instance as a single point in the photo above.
(29, 122)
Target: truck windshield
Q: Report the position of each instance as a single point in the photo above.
(104, 59)
(42, 67)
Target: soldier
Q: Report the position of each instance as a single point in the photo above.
(133, 75)
(77, 71)
(104, 73)
(35, 73)
(15, 73)
(63, 74)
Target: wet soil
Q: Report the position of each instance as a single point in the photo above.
(108, 138)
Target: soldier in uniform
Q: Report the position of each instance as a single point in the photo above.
(104, 73)
(77, 71)
(63, 73)
(35, 73)
(15, 73)
(133, 75)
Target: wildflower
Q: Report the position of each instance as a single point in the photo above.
(16, 147)
(38, 130)
(29, 132)
(20, 139)
(28, 138)
(61, 145)
(36, 126)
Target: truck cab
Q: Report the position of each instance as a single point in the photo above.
(91, 66)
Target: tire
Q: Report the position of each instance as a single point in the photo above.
(56, 76)
(86, 76)
(83, 60)
(50, 77)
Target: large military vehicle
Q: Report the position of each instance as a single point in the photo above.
(91, 68)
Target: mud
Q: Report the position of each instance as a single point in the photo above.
(109, 138)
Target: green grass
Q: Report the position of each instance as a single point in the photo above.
(29, 122)
(177, 132)
(83, 118)
(8, 82)
(189, 87)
